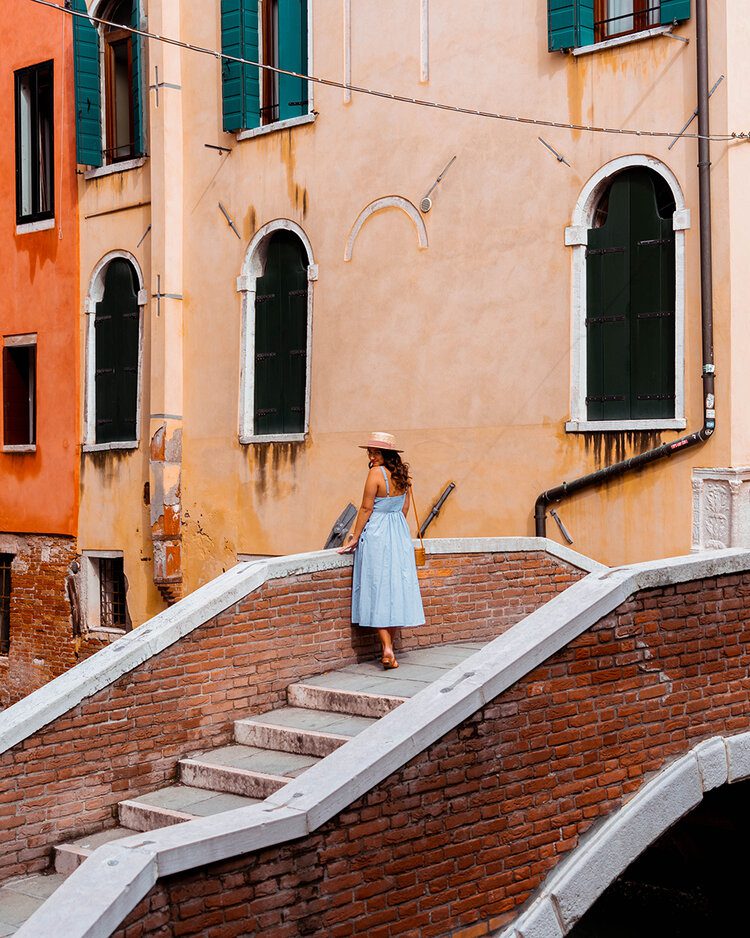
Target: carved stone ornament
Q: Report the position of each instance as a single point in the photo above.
(721, 508)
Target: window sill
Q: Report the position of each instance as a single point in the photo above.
(28, 227)
(105, 447)
(623, 426)
(279, 125)
(274, 438)
(111, 168)
(26, 448)
(98, 630)
(623, 40)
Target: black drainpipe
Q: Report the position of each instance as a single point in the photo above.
(593, 479)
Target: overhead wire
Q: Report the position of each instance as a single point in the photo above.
(391, 96)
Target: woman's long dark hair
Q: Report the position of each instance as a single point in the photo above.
(398, 469)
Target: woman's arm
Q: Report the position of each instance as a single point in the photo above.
(407, 503)
(363, 515)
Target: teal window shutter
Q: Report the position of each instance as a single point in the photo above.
(138, 134)
(116, 324)
(293, 57)
(281, 338)
(630, 316)
(672, 10)
(87, 88)
(240, 84)
(570, 24)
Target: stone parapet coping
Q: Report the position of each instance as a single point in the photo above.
(41, 707)
(96, 898)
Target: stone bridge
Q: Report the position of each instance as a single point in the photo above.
(580, 714)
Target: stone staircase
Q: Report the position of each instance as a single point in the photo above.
(322, 714)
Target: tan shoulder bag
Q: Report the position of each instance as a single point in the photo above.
(420, 554)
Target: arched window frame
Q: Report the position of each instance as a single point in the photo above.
(95, 295)
(576, 237)
(252, 270)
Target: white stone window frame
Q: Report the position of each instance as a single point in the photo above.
(288, 122)
(91, 589)
(253, 268)
(98, 8)
(576, 237)
(95, 295)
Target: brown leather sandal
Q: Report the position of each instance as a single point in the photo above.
(389, 662)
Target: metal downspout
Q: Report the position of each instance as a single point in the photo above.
(593, 479)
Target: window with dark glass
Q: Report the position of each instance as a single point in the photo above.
(630, 300)
(619, 17)
(112, 589)
(281, 338)
(34, 144)
(19, 395)
(116, 327)
(5, 562)
(118, 85)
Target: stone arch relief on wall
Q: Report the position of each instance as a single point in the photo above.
(576, 237)
(252, 268)
(95, 295)
(380, 205)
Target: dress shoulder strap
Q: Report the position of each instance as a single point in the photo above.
(387, 485)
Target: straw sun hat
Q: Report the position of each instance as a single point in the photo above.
(378, 440)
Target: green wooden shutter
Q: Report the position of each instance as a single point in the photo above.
(87, 88)
(240, 84)
(570, 24)
(630, 324)
(607, 313)
(652, 301)
(116, 355)
(293, 57)
(281, 339)
(672, 10)
(138, 134)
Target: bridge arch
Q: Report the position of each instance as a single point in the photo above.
(573, 888)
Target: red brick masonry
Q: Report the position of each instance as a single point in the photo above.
(126, 739)
(457, 840)
(42, 643)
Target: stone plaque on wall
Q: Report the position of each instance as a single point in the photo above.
(721, 508)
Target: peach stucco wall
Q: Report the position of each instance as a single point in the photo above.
(463, 348)
(39, 287)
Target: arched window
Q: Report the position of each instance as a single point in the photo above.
(114, 345)
(628, 226)
(630, 300)
(277, 311)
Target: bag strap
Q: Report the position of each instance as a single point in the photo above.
(414, 506)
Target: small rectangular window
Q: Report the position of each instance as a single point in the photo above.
(34, 144)
(5, 562)
(112, 609)
(620, 17)
(19, 394)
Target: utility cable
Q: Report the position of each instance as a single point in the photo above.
(374, 92)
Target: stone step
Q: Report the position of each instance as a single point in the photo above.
(243, 770)
(295, 729)
(313, 696)
(175, 804)
(20, 898)
(70, 855)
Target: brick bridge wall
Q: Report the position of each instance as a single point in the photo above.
(126, 739)
(457, 840)
(42, 643)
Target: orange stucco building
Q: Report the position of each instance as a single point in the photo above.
(39, 244)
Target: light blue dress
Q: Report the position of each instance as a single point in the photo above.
(385, 590)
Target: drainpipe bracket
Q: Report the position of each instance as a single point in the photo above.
(709, 369)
